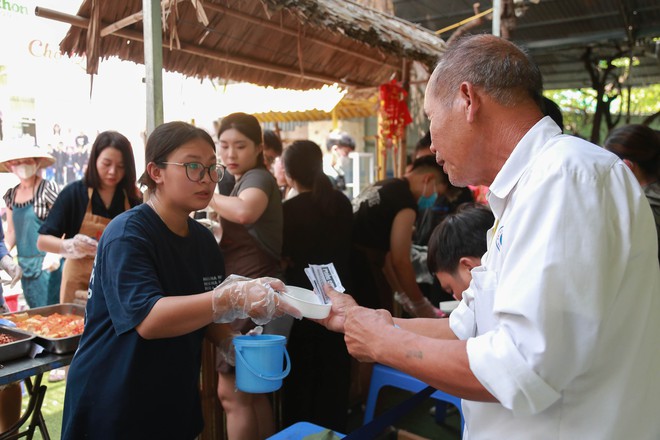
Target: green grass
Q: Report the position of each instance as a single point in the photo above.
(51, 408)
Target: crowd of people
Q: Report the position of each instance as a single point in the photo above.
(558, 282)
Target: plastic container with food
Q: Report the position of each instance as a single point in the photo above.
(14, 344)
(61, 335)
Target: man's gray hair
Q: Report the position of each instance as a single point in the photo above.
(502, 69)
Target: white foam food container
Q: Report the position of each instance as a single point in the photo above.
(306, 301)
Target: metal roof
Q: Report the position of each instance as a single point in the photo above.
(559, 34)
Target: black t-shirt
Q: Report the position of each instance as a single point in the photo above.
(121, 386)
(311, 237)
(68, 212)
(427, 221)
(374, 210)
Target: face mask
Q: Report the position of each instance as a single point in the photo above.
(344, 163)
(25, 171)
(426, 202)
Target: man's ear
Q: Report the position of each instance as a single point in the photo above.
(155, 172)
(469, 262)
(470, 100)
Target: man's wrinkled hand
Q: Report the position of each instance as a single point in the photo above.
(364, 330)
(341, 303)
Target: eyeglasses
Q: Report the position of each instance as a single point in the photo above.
(195, 170)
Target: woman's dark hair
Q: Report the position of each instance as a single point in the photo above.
(551, 108)
(113, 139)
(273, 142)
(460, 234)
(165, 139)
(303, 162)
(637, 143)
(248, 126)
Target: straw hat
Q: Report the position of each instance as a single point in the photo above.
(19, 149)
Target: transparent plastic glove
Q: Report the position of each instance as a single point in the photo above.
(239, 297)
(424, 309)
(405, 302)
(79, 246)
(8, 264)
(51, 262)
(226, 349)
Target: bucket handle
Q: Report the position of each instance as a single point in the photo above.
(280, 376)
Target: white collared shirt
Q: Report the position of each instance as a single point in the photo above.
(562, 320)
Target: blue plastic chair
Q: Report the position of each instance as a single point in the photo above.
(385, 376)
(299, 430)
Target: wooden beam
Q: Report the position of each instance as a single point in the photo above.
(131, 19)
(261, 65)
(294, 33)
(193, 49)
(82, 22)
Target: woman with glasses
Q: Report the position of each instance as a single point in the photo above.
(251, 219)
(157, 288)
(84, 208)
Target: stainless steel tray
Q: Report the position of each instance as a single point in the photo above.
(56, 345)
(17, 349)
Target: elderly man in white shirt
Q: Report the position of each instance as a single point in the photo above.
(556, 337)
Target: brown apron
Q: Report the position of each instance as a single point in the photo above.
(244, 255)
(76, 272)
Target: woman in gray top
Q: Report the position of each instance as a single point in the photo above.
(251, 220)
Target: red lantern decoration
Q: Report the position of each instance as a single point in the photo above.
(394, 111)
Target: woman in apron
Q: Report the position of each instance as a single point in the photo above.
(251, 219)
(24, 161)
(28, 205)
(85, 207)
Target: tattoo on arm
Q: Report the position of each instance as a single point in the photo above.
(415, 354)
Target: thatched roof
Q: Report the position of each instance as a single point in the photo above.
(298, 44)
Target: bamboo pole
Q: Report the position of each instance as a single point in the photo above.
(403, 142)
(381, 150)
(462, 22)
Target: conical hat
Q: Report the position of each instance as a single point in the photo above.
(18, 149)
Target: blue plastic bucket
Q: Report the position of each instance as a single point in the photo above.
(259, 361)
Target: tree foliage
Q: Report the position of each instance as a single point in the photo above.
(579, 107)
